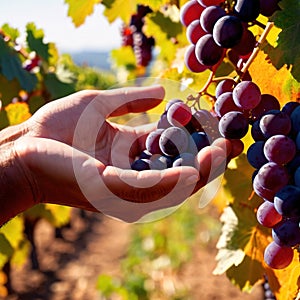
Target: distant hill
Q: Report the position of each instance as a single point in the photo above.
(94, 59)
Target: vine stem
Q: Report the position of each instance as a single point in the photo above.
(257, 48)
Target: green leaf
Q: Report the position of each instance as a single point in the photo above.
(13, 33)
(124, 56)
(287, 51)
(11, 67)
(8, 89)
(57, 88)
(3, 119)
(35, 41)
(80, 9)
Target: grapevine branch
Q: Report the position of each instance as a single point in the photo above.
(257, 48)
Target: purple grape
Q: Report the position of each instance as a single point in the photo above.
(268, 7)
(160, 162)
(228, 31)
(246, 95)
(280, 149)
(287, 233)
(256, 156)
(198, 141)
(207, 51)
(278, 257)
(224, 86)
(289, 107)
(295, 117)
(256, 132)
(267, 215)
(275, 123)
(233, 125)
(163, 122)
(179, 114)
(173, 141)
(246, 44)
(210, 16)
(141, 165)
(191, 61)
(152, 141)
(247, 10)
(272, 177)
(225, 104)
(287, 201)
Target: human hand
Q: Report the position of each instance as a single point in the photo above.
(74, 156)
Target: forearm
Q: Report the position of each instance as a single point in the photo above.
(16, 190)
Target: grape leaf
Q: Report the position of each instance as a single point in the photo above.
(13, 231)
(35, 42)
(279, 83)
(60, 215)
(287, 51)
(79, 9)
(57, 88)
(11, 67)
(12, 33)
(8, 89)
(241, 232)
(3, 119)
(122, 9)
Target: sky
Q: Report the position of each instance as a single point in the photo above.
(95, 34)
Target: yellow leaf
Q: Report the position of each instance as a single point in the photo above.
(285, 283)
(80, 9)
(17, 112)
(278, 83)
(120, 9)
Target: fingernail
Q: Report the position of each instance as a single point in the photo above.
(191, 180)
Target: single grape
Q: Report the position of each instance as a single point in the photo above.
(256, 156)
(190, 11)
(275, 122)
(262, 191)
(225, 104)
(228, 31)
(191, 61)
(152, 141)
(287, 233)
(247, 10)
(173, 141)
(179, 114)
(287, 202)
(297, 177)
(246, 95)
(194, 32)
(272, 176)
(198, 141)
(289, 107)
(246, 44)
(233, 125)
(210, 16)
(163, 122)
(207, 51)
(141, 165)
(185, 159)
(268, 7)
(267, 215)
(267, 103)
(278, 257)
(280, 149)
(224, 86)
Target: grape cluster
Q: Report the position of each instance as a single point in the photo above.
(181, 133)
(213, 27)
(274, 155)
(132, 35)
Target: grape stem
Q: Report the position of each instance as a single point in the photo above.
(257, 47)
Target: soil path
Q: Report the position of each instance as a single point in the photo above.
(95, 245)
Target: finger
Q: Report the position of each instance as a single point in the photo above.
(150, 185)
(121, 101)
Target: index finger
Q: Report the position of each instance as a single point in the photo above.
(125, 100)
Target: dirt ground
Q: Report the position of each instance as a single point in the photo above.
(95, 245)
